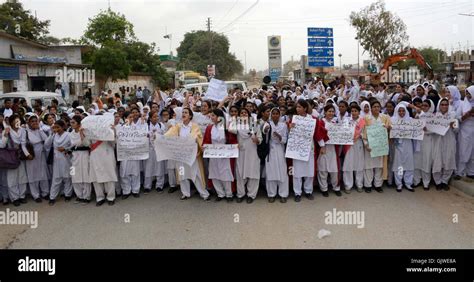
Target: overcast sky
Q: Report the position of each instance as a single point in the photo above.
(429, 22)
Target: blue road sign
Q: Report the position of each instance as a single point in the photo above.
(320, 52)
(275, 74)
(320, 42)
(320, 32)
(320, 62)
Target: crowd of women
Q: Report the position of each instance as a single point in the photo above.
(61, 160)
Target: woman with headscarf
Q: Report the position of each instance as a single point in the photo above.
(275, 165)
(17, 178)
(328, 163)
(375, 169)
(154, 170)
(466, 136)
(424, 152)
(80, 161)
(36, 168)
(247, 170)
(365, 109)
(455, 99)
(403, 162)
(221, 170)
(444, 149)
(354, 154)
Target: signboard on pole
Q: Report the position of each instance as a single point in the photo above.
(274, 57)
(320, 47)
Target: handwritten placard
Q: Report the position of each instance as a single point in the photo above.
(408, 129)
(99, 127)
(221, 151)
(340, 134)
(437, 123)
(300, 138)
(176, 148)
(216, 91)
(132, 142)
(378, 140)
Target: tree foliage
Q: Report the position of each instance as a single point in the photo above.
(14, 19)
(380, 31)
(202, 48)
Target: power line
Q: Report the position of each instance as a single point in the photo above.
(227, 13)
(240, 16)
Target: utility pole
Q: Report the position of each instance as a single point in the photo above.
(245, 60)
(208, 24)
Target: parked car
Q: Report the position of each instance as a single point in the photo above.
(202, 87)
(32, 96)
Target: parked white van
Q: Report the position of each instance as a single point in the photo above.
(31, 96)
(202, 87)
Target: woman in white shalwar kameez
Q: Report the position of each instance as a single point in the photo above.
(17, 179)
(354, 156)
(102, 170)
(46, 126)
(328, 162)
(403, 161)
(61, 142)
(195, 171)
(444, 149)
(170, 164)
(36, 169)
(154, 170)
(80, 177)
(220, 169)
(465, 165)
(275, 167)
(130, 169)
(248, 162)
(424, 152)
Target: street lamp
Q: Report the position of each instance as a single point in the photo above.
(340, 66)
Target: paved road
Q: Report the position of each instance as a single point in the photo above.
(423, 219)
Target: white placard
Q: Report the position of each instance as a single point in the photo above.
(175, 148)
(216, 91)
(132, 143)
(408, 129)
(221, 151)
(300, 138)
(437, 123)
(340, 134)
(99, 127)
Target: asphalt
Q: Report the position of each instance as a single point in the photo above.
(419, 220)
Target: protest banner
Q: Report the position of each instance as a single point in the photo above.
(408, 129)
(221, 151)
(300, 138)
(216, 91)
(378, 140)
(132, 143)
(175, 148)
(437, 123)
(340, 134)
(99, 127)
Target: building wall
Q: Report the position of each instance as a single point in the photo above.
(138, 80)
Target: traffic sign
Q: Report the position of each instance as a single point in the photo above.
(320, 32)
(320, 52)
(320, 42)
(320, 62)
(275, 74)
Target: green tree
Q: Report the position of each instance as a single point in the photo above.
(380, 32)
(107, 27)
(14, 19)
(433, 56)
(202, 48)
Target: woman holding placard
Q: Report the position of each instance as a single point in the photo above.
(354, 154)
(375, 169)
(424, 152)
(328, 163)
(80, 162)
(248, 163)
(444, 149)
(154, 170)
(195, 172)
(220, 169)
(403, 162)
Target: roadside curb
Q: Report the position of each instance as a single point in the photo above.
(465, 185)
